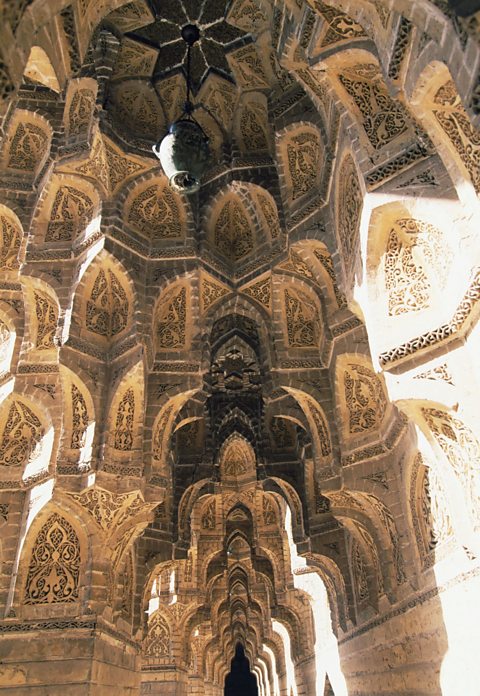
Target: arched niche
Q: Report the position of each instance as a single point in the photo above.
(348, 211)
(42, 313)
(53, 566)
(251, 125)
(79, 108)
(162, 430)
(27, 144)
(156, 211)
(104, 303)
(361, 400)
(384, 124)
(231, 227)
(298, 309)
(318, 427)
(301, 154)
(412, 272)
(11, 238)
(173, 321)
(78, 420)
(316, 256)
(26, 439)
(237, 460)
(68, 212)
(124, 427)
(440, 109)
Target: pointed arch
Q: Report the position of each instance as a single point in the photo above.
(27, 144)
(104, 302)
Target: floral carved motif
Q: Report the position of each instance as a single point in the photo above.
(156, 213)
(10, 238)
(71, 212)
(28, 147)
(80, 111)
(406, 283)
(46, 315)
(365, 398)
(172, 318)
(123, 435)
(209, 516)
(54, 569)
(233, 231)
(107, 308)
(157, 642)
(349, 209)
(303, 157)
(382, 118)
(21, 435)
(302, 319)
(359, 573)
(80, 418)
(454, 120)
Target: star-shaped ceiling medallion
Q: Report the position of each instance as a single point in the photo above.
(216, 38)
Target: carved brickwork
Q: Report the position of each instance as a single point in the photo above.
(261, 291)
(359, 573)
(171, 319)
(338, 26)
(28, 147)
(80, 112)
(303, 324)
(454, 121)
(253, 127)
(349, 209)
(382, 118)
(157, 642)
(124, 422)
(107, 309)
(233, 235)
(53, 574)
(161, 434)
(461, 449)
(407, 285)
(248, 68)
(209, 515)
(365, 398)
(22, 433)
(10, 238)
(268, 211)
(211, 292)
(156, 213)
(237, 458)
(108, 510)
(46, 314)
(247, 15)
(80, 419)
(327, 263)
(121, 167)
(71, 211)
(304, 162)
(321, 428)
(268, 511)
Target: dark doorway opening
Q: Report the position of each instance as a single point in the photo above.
(240, 681)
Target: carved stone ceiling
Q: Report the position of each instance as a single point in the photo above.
(150, 67)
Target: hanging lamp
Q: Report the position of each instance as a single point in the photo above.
(184, 152)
